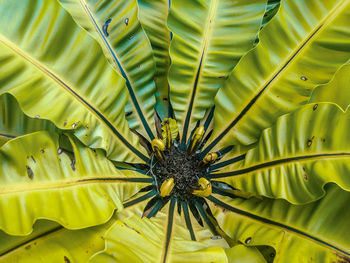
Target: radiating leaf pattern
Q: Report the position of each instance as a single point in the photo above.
(298, 233)
(205, 47)
(286, 69)
(142, 240)
(270, 185)
(304, 150)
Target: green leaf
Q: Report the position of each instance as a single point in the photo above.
(38, 179)
(295, 158)
(149, 240)
(115, 25)
(243, 254)
(45, 66)
(337, 90)
(50, 242)
(279, 74)
(15, 123)
(207, 43)
(153, 16)
(317, 232)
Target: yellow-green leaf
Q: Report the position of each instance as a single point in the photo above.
(299, 49)
(115, 25)
(52, 243)
(295, 158)
(209, 37)
(337, 90)
(15, 123)
(159, 239)
(317, 232)
(45, 66)
(243, 254)
(39, 179)
(153, 16)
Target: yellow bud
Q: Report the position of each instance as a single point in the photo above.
(204, 188)
(210, 158)
(196, 139)
(166, 187)
(158, 147)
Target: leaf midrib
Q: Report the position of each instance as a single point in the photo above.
(43, 186)
(61, 82)
(120, 67)
(196, 80)
(279, 70)
(283, 227)
(281, 161)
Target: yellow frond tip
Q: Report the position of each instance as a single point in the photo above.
(166, 187)
(210, 158)
(196, 139)
(204, 186)
(158, 144)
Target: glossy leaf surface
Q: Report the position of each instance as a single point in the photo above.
(115, 25)
(14, 123)
(279, 74)
(41, 180)
(45, 67)
(296, 157)
(303, 233)
(205, 47)
(337, 90)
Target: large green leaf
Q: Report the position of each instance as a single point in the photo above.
(295, 158)
(115, 25)
(45, 66)
(207, 43)
(38, 179)
(337, 90)
(14, 123)
(163, 238)
(153, 16)
(317, 232)
(52, 243)
(299, 49)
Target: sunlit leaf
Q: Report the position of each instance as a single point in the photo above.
(115, 25)
(279, 74)
(38, 179)
(295, 158)
(45, 66)
(207, 43)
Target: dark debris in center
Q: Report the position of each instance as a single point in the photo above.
(183, 168)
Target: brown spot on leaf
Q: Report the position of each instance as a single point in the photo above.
(305, 176)
(42, 150)
(27, 247)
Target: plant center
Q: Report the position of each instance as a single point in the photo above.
(184, 168)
